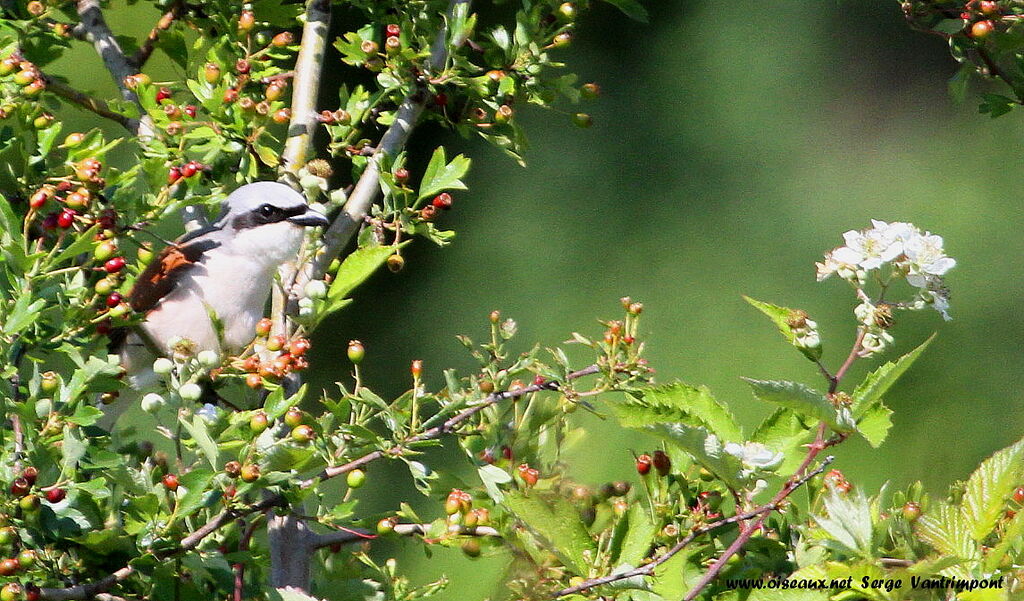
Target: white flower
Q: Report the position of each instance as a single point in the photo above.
(754, 456)
(926, 258)
(870, 248)
(209, 359)
(875, 341)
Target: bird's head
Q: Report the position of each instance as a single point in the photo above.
(267, 219)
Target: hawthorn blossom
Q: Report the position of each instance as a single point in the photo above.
(754, 456)
(898, 250)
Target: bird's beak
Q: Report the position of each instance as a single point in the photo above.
(310, 218)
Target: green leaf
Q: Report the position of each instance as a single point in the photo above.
(704, 447)
(83, 243)
(357, 268)
(25, 312)
(631, 8)
(198, 430)
(785, 432)
(945, 528)
(988, 488)
(848, 522)
(639, 536)
(1010, 535)
(72, 449)
(804, 400)
(674, 578)
(492, 476)
(678, 402)
(443, 175)
(874, 425)
(558, 522)
(880, 380)
(778, 315)
(196, 482)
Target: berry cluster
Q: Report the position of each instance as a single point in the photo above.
(21, 559)
(186, 170)
(291, 359)
(661, 463)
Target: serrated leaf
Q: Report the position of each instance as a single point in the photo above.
(443, 175)
(804, 400)
(1011, 534)
(874, 425)
(880, 380)
(944, 528)
(988, 488)
(678, 402)
(639, 535)
(848, 522)
(558, 522)
(83, 243)
(704, 447)
(73, 449)
(196, 483)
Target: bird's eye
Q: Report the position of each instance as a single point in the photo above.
(266, 210)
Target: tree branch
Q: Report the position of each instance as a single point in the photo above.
(191, 541)
(648, 569)
(340, 537)
(368, 187)
(89, 103)
(97, 32)
(306, 85)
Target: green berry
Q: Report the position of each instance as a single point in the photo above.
(355, 478)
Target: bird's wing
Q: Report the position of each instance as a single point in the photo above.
(165, 271)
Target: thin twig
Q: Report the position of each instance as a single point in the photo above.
(340, 537)
(648, 569)
(149, 45)
(243, 545)
(97, 32)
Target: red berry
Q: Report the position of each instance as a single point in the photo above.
(190, 110)
(282, 116)
(442, 201)
(1018, 494)
(643, 464)
(66, 219)
(56, 495)
(9, 567)
(401, 175)
(441, 99)
(170, 482)
(173, 175)
(242, 66)
(982, 29)
(103, 327)
(162, 94)
(392, 30)
(114, 299)
(662, 463)
(298, 347)
(188, 169)
(114, 265)
(988, 7)
(264, 326)
(32, 592)
(30, 474)
(230, 95)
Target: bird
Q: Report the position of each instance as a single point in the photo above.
(211, 285)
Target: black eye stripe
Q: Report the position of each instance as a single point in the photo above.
(264, 214)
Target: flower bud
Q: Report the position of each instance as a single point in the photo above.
(163, 366)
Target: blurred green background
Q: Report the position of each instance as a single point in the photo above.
(730, 149)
